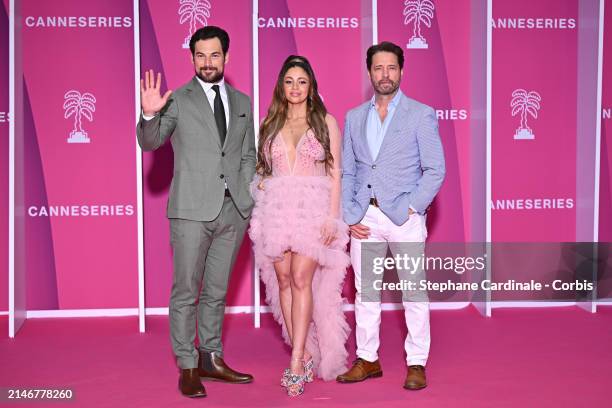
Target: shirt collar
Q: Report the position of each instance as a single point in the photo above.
(207, 86)
(394, 102)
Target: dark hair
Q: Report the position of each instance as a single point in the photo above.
(385, 46)
(277, 115)
(209, 32)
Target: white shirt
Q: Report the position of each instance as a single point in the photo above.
(210, 95)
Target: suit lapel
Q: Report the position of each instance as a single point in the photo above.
(199, 99)
(399, 118)
(233, 108)
(396, 120)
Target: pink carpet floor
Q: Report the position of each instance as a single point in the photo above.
(560, 357)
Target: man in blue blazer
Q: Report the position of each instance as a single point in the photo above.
(393, 167)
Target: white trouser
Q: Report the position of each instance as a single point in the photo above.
(367, 313)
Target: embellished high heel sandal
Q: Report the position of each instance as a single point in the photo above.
(285, 377)
(295, 385)
(308, 373)
(308, 370)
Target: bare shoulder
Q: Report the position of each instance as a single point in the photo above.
(331, 121)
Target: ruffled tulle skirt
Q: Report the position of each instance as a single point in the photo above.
(288, 215)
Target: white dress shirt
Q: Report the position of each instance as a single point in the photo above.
(210, 94)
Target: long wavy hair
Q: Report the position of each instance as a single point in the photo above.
(277, 116)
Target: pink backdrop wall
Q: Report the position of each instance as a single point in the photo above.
(86, 258)
(605, 191)
(76, 261)
(534, 138)
(162, 39)
(335, 49)
(542, 170)
(4, 145)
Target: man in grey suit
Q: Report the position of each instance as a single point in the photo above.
(393, 167)
(211, 129)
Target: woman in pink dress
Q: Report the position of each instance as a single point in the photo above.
(298, 235)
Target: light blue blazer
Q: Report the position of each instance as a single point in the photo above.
(408, 171)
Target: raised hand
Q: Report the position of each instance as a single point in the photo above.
(150, 97)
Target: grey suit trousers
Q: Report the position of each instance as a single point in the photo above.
(204, 255)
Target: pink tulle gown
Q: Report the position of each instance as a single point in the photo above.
(288, 215)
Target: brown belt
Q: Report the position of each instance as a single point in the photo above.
(374, 202)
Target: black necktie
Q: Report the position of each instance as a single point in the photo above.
(220, 114)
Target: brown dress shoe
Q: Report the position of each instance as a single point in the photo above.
(415, 380)
(212, 367)
(190, 385)
(361, 370)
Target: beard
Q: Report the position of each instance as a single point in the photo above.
(214, 76)
(386, 87)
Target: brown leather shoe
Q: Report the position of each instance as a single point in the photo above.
(212, 367)
(190, 384)
(361, 370)
(415, 379)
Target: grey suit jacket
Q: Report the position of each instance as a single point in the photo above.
(201, 165)
(408, 171)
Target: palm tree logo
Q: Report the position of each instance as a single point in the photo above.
(79, 106)
(194, 11)
(527, 104)
(418, 12)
